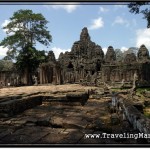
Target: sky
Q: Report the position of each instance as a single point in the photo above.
(107, 25)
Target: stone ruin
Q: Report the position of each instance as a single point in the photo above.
(110, 56)
(86, 64)
(49, 72)
(83, 61)
(143, 54)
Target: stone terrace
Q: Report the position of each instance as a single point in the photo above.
(57, 121)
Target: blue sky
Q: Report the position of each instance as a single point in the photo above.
(107, 24)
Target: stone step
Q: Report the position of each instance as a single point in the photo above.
(15, 106)
(72, 98)
(60, 101)
(49, 98)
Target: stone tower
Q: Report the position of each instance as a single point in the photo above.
(110, 55)
(143, 54)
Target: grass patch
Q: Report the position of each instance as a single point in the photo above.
(147, 115)
(143, 89)
(147, 112)
(125, 88)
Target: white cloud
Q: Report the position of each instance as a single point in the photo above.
(104, 49)
(3, 51)
(69, 7)
(96, 24)
(143, 37)
(5, 24)
(103, 9)
(57, 51)
(119, 6)
(121, 21)
(123, 48)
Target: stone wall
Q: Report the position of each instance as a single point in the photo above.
(8, 77)
(50, 72)
(135, 117)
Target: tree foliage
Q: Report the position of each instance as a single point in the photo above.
(136, 8)
(30, 58)
(24, 30)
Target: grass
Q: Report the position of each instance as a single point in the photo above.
(119, 89)
(147, 115)
(147, 112)
(139, 91)
(143, 89)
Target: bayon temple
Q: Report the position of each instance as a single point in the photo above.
(87, 64)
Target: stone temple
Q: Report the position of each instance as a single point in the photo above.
(86, 64)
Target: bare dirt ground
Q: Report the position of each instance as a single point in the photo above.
(44, 88)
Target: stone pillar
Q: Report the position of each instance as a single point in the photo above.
(40, 74)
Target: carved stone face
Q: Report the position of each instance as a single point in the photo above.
(84, 35)
(61, 56)
(110, 55)
(130, 58)
(111, 52)
(99, 52)
(143, 53)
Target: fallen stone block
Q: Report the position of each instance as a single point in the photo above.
(81, 97)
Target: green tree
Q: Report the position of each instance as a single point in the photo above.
(29, 55)
(24, 30)
(139, 7)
